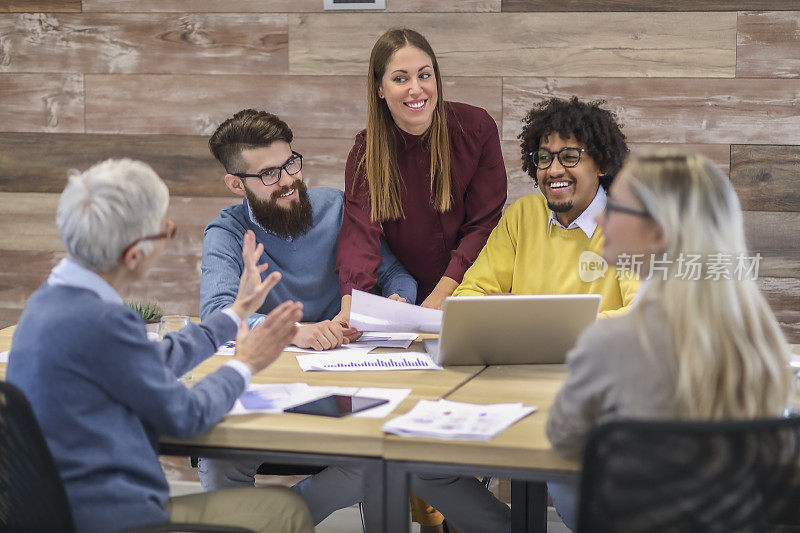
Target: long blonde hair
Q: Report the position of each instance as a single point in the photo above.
(731, 356)
(379, 160)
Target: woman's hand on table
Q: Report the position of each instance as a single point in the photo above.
(259, 347)
(320, 336)
(252, 291)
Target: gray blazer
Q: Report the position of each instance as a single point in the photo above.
(612, 375)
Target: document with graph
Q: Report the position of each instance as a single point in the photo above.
(359, 361)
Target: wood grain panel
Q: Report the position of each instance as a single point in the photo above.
(314, 106)
(774, 236)
(783, 295)
(597, 44)
(21, 273)
(644, 5)
(741, 111)
(38, 162)
(145, 43)
(52, 6)
(41, 102)
(767, 178)
(768, 44)
(32, 248)
(281, 6)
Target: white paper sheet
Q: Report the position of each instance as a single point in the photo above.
(383, 339)
(230, 347)
(344, 349)
(354, 362)
(444, 419)
(369, 312)
(275, 397)
(4, 357)
(226, 349)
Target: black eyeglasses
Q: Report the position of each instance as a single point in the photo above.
(611, 205)
(568, 157)
(271, 176)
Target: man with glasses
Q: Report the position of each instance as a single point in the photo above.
(550, 243)
(296, 229)
(102, 392)
(297, 226)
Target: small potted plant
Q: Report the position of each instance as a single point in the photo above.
(151, 313)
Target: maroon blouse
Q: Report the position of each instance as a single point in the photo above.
(430, 244)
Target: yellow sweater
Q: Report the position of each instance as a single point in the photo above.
(522, 257)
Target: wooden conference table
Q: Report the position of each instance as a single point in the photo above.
(522, 452)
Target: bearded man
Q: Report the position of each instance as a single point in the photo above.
(297, 226)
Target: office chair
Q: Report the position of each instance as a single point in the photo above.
(32, 497)
(660, 477)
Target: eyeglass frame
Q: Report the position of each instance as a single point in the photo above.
(611, 205)
(169, 233)
(280, 169)
(558, 155)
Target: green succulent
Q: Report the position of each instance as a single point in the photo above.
(150, 311)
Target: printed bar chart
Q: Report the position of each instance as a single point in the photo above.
(362, 362)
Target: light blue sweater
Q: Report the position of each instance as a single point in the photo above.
(102, 394)
(306, 263)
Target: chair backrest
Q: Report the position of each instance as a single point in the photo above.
(691, 476)
(32, 497)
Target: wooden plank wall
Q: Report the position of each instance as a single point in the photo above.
(82, 80)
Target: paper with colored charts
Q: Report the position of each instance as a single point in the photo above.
(355, 362)
(444, 419)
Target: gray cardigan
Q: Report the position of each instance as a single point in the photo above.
(612, 375)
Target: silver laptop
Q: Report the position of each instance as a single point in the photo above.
(511, 329)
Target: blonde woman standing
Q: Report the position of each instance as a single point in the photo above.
(701, 343)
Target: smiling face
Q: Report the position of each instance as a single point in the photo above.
(568, 191)
(409, 87)
(283, 207)
(257, 160)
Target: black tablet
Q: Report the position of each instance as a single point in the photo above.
(336, 405)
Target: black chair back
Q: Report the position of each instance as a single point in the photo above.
(32, 497)
(682, 476)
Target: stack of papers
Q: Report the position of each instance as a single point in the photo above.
(444, 419)
(366, 343)
(277, 397)
(369, 312)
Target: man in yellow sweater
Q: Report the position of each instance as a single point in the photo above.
(550, 243)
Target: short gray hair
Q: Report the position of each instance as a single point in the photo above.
(106, 208)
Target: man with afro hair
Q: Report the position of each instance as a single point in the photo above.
(550, 243)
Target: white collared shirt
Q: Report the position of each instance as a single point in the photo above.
(586, 220)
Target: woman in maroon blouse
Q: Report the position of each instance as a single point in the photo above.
(425, 173)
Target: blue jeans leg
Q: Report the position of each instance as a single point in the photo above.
(565, 500)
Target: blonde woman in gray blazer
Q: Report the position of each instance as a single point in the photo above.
(701, 342)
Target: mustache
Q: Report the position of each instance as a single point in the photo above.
(297, 185)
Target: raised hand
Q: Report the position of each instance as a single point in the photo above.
(259, 347)
(252, 291)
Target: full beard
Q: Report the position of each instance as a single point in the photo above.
(285, 222)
